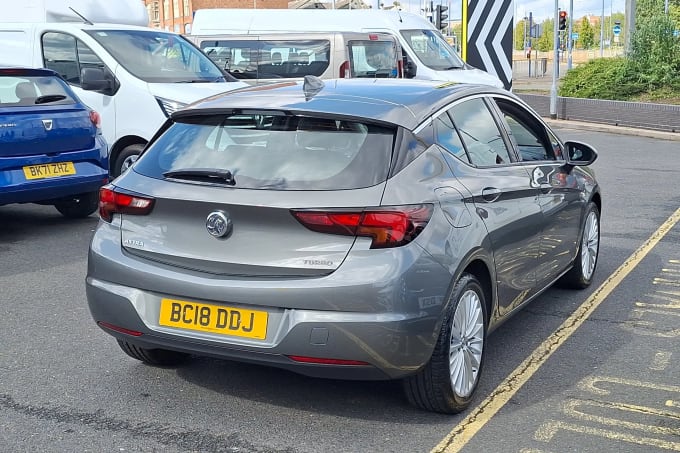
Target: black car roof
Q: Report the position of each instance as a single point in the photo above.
(397, 101)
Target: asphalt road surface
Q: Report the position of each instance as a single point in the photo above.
(610, 383)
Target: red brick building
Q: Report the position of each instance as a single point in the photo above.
(177, 15)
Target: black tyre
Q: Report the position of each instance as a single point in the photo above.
(581, 274)
(78, 206)
(125, 159)
(156, 357)
(449, 380)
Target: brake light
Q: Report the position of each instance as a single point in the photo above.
(112, 202)
(372, 37)
(96, 119)
(392, 226)
(400, 68)
(344, 70)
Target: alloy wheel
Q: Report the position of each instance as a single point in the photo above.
(466, 344)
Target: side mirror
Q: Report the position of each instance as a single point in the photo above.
(410, 68)
(95, 79)
(579, 153)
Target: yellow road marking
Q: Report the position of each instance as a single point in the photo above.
(661, 361)
(480, 415)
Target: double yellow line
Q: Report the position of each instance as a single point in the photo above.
(480, 415)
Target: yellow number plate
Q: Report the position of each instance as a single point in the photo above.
(213, 319)
(49, 170)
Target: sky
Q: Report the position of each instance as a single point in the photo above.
(540, 9)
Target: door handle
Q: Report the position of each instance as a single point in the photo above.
(491, 194)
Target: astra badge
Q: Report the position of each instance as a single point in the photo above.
(47, 124)
(218, 224)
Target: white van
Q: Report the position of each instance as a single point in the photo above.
(134, 76)
(283, 56)
(427, 54)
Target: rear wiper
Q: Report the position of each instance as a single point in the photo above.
(452, 67)
(49, 98)
(203, 174)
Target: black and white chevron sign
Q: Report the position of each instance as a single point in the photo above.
(489, 37)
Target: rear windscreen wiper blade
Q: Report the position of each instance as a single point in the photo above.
(49, 98)
(203, 174)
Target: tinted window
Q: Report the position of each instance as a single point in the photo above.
(480, 133)
(246, 59)
(528, 134)
(68, 56)
(23, 91)
(372, 59)
(268, 151)
(448, 138)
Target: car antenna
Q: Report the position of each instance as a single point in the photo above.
(85, 19)
(399, 14)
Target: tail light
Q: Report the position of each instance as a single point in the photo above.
(96, 119)
(112, 202)
(344, 70)
(392, 226)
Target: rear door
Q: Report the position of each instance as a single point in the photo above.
(245, 226)
(502, 194)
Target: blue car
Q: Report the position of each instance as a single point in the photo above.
(51, 147)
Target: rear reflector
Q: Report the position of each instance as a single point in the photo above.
(106, 325)
(112, 202)
(391, 226)
(321, 361)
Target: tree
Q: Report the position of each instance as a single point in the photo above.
(520, 30)
(586, 33)
(545, 42)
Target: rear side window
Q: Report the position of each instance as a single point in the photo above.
(270, 59)
(279, 152)
(373, 59)
(29, 90)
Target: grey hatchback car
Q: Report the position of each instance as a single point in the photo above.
(352, 229)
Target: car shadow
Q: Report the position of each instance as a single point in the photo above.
(368, 400)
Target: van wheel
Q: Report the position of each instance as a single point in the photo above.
(126, 158)
(79, 206)
(449, 380)
(156, 357)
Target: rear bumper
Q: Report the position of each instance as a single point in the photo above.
(386, 315)
(91, 173)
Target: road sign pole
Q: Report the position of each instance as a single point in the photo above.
(553, 88)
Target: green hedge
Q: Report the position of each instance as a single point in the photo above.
(651, 70)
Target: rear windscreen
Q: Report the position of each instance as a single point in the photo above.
(280, 152)
(33, 90)
(247, 59)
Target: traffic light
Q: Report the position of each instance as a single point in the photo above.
(441, 19)
(563, 20)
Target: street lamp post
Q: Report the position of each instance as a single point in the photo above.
(602, 31)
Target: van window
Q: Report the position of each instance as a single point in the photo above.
(67, 55)
(275, 151)
(432, 49)
(157, 56)
(372, 59)
(269, 59)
